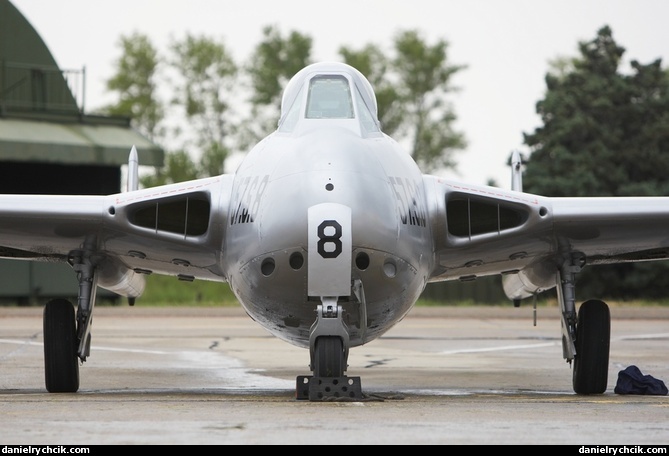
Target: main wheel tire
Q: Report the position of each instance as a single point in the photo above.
(61, 363)
(593, 340)
(329, 357)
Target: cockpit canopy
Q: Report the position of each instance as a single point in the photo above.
(329, 98)
(329, 91)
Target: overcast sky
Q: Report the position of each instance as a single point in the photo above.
(505, 44)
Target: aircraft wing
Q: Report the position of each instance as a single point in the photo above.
(480, 230)
(174, 229)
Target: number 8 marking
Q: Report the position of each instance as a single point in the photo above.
(327, 239)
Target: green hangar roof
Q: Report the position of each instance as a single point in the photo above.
(73, 143)
(40, 119)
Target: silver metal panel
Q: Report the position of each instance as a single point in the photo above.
(329, 257)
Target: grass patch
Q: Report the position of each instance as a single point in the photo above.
(168, 291)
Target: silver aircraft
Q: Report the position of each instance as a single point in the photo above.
(327, 233)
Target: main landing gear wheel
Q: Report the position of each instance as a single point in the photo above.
(329, 357)
(593, 338)
(61, 363)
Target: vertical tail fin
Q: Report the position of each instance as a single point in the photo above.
(516, 172)
(133, 170)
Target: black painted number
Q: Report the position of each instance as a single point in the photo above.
(333, 239)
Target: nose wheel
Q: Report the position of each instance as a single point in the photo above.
(329, 357)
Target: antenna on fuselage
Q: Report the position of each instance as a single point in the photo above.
(516, 172)
(133, 170)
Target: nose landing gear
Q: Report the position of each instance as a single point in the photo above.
(329, 356)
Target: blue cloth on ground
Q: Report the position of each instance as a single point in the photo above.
(632, 381)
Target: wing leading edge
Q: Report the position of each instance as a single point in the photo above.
(175, 229)
(480, 230)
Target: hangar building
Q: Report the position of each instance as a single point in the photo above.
(49, 145)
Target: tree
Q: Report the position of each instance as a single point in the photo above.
(204, 90)
(135, 83)
(179, 167)
(411, 90)
(604, 134)
(371, 62)
(424, 83)
(206, 73)
(271, 65)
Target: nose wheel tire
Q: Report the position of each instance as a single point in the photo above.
(329, 357)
